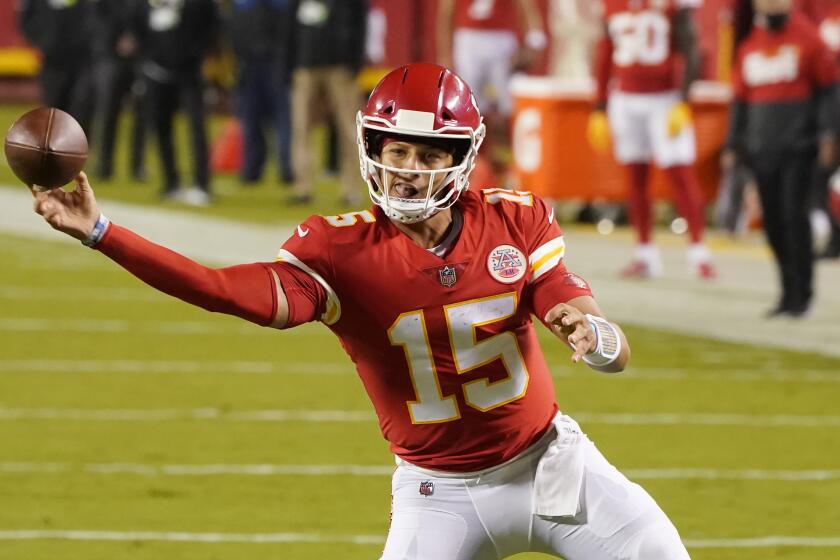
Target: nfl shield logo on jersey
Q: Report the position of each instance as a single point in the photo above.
(427, 488)
(506, 264)
(447, 276)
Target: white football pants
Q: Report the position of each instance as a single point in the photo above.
(488, 515)
(484, 59)
(639, 127)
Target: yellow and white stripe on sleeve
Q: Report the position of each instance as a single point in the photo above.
(333, 308)
(547, 256)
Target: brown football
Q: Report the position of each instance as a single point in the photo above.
(46, 147)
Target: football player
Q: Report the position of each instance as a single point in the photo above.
(648, 114)
(431, 292)
(480, 40)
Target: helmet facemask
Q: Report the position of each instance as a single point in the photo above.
(464, 143)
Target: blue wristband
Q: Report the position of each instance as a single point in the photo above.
(102, 225)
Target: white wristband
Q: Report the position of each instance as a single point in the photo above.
(536, 39)
(608, 345)
(99, 229)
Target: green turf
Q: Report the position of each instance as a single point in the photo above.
(62, 307)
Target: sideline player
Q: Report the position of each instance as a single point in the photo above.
(480, 40)
(431, 293)
(649, 116)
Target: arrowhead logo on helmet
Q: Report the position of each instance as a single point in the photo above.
(423, 103)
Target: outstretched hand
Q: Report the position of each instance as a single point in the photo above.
(74, 213)
(570, 325)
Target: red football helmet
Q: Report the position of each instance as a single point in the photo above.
(419, 101)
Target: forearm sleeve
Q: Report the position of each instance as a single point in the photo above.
(248, 291)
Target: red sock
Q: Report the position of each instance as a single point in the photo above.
(690, 200)
(640, 205)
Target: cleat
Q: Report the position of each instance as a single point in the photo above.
(636, 269)
(706, 271)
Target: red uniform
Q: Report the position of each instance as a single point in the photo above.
(485, 14)
(445, 347)
(825, 14)
(782, 67)
(643, 57)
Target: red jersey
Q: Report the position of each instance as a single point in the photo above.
(825, 14)
(783, 67)
(445, 346)
(642, 43)
(486, 14)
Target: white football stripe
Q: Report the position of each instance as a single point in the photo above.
(546, 248)
(332, 313)
(317, 416)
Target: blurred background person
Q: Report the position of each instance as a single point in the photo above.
(259, 32)
(480, 42)
(61, 31)
(783, 118)
(115, 57)
(575, 29)
(174, 38)
(825, 14)
(328, 41)
(643, 105)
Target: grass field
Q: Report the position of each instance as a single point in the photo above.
(134, 426)
(123, 411)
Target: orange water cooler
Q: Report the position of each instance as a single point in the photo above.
(553, 159)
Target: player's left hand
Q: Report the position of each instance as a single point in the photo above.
(679, 118)
(570, 325)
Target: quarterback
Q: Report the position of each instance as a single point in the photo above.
(487, 465)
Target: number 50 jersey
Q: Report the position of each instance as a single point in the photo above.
(445, 346)
(641, 33)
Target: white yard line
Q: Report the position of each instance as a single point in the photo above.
(770, 541)
(144, 469)
(156, 415)
(321, 416)
(281, 366)
(66, 292)
(59, 324)
(174, 366)
(255, 538)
